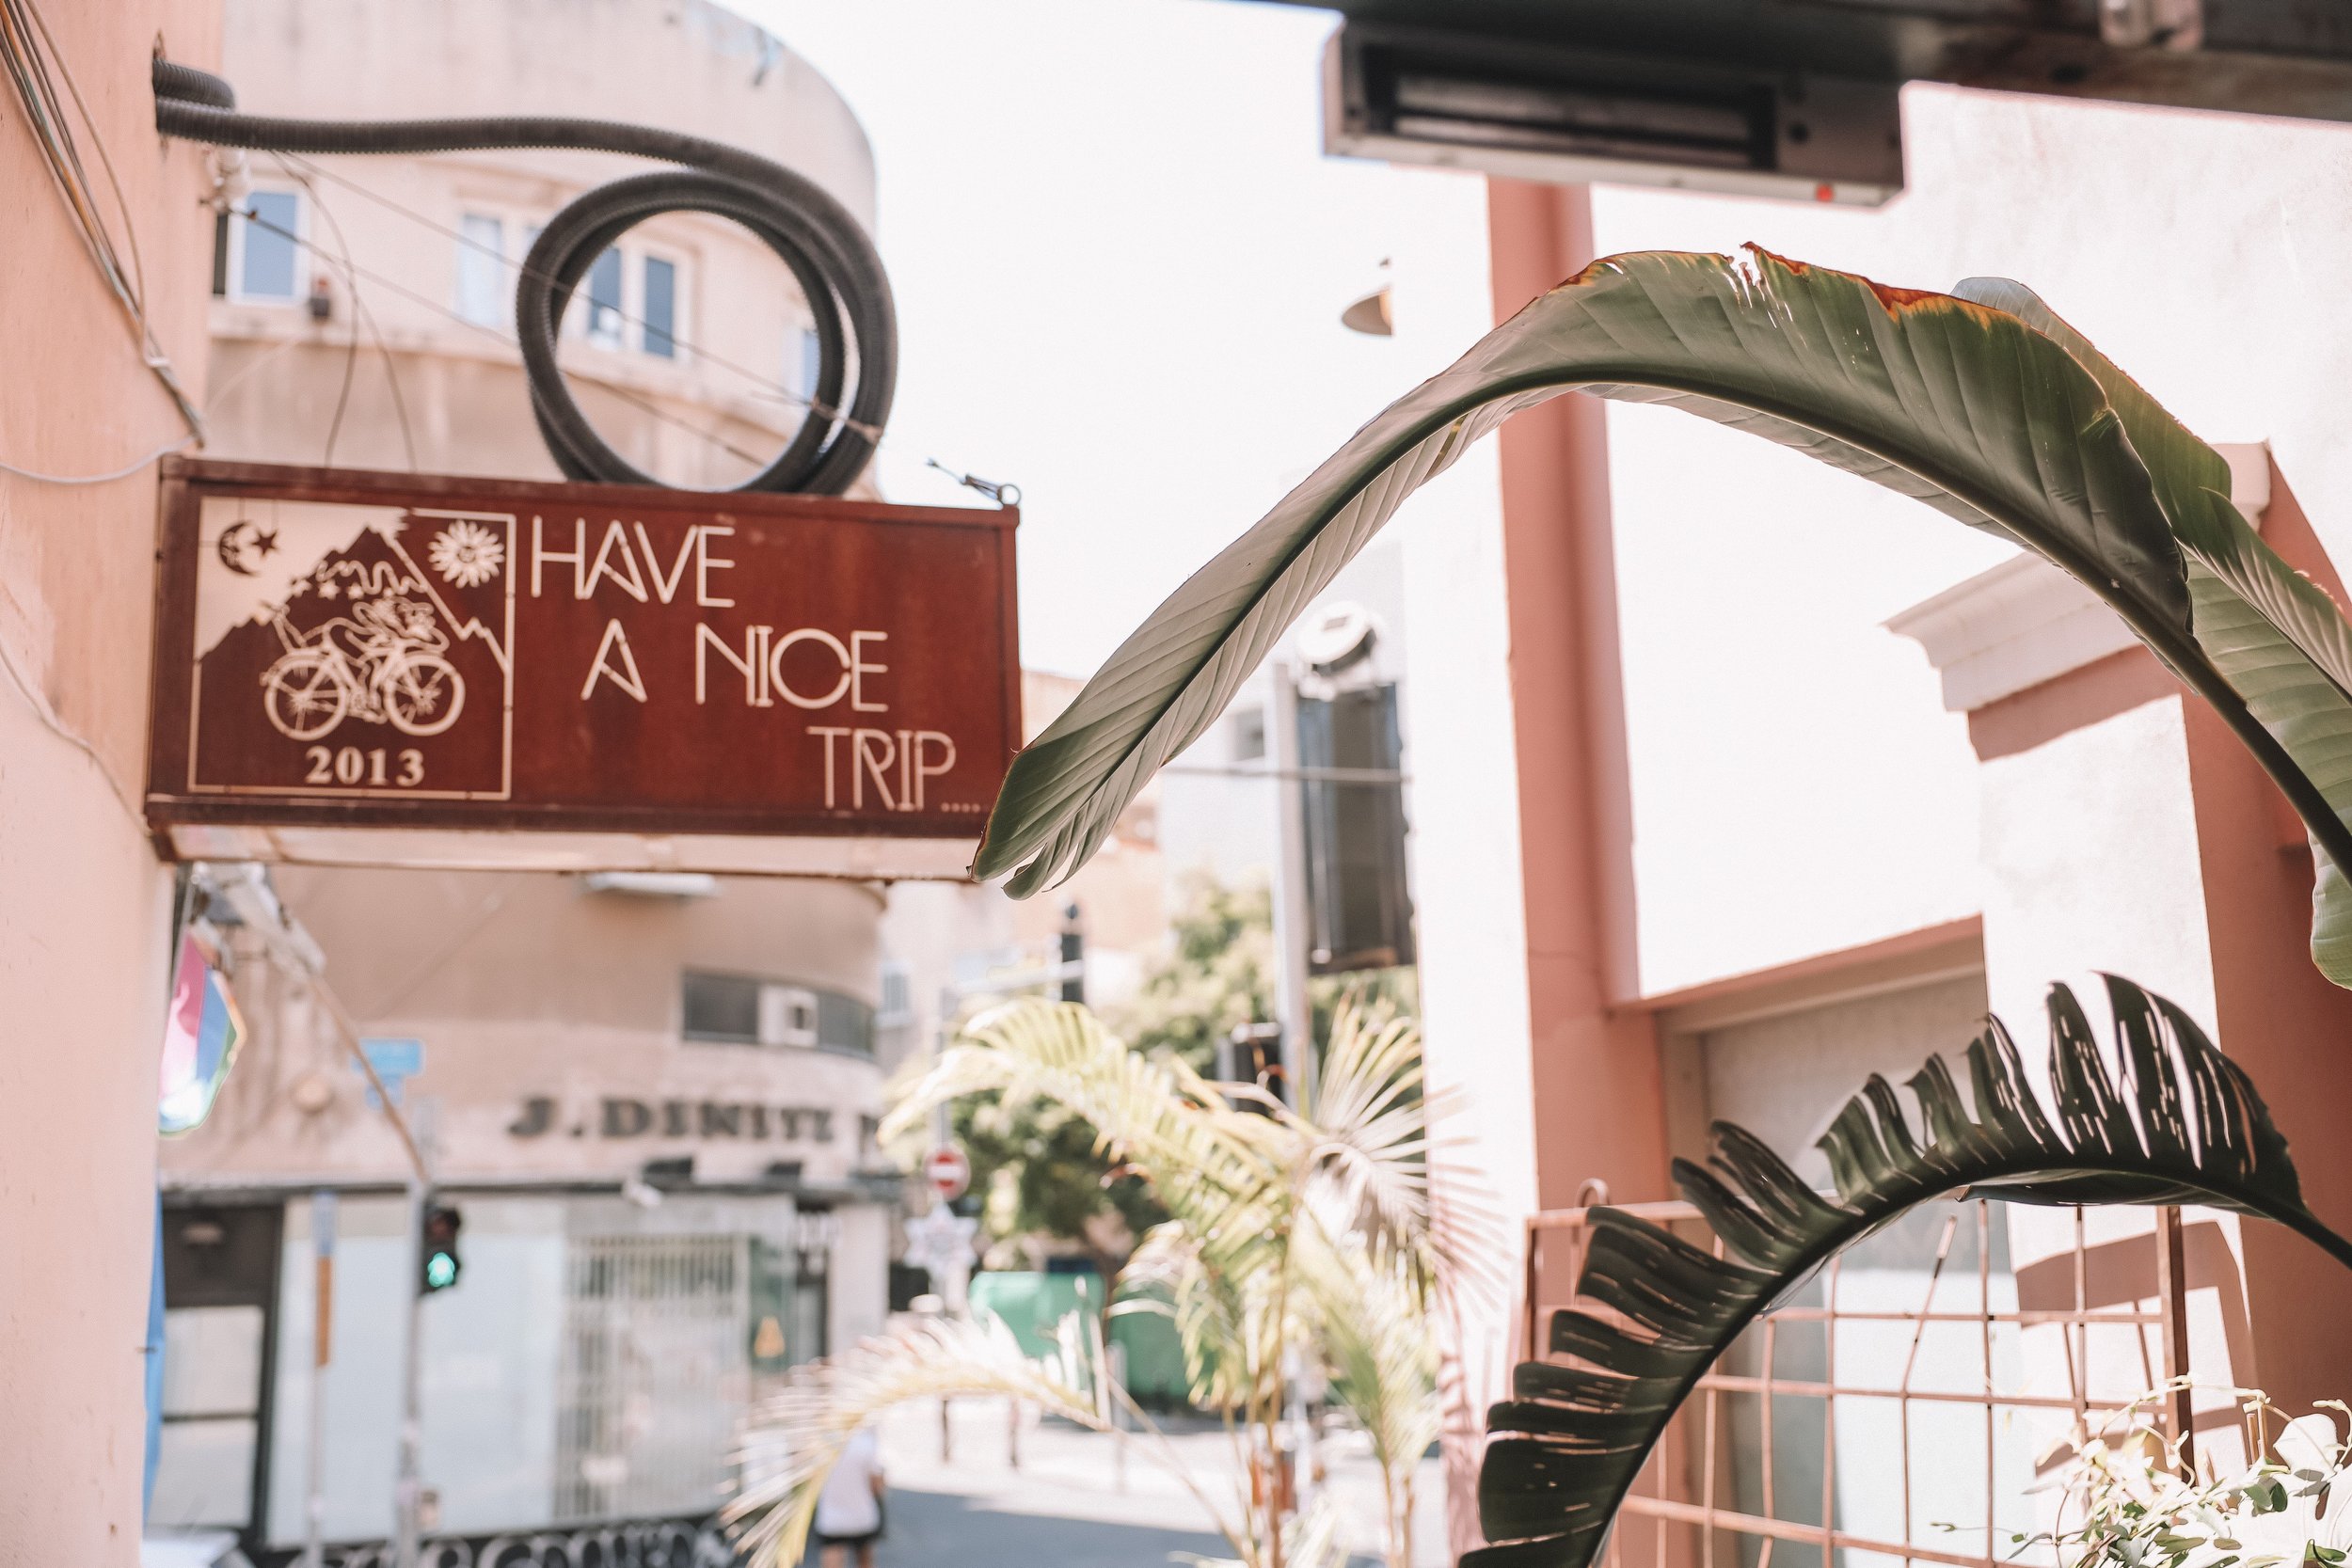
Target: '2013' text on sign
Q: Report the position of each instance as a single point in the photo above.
(344, 652)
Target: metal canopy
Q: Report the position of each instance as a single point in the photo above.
(2286, 57)
(1793, 99)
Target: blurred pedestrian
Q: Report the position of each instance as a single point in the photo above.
(849, 1509)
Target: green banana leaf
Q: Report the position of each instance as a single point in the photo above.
(1983, 405)
(1571, 1439)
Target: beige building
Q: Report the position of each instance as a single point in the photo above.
(648, 1098)
(650, 1101)
(688, 344)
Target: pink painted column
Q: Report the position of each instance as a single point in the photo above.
(1597, 1100)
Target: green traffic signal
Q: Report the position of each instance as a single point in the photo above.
(439, 1266)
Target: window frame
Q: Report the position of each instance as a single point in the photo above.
(239, 228)
(642, 318)
(502, 287)
(616, 339)
(824, 1000)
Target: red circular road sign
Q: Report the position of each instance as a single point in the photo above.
(948, 1172)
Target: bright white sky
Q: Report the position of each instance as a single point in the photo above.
(1119, 257)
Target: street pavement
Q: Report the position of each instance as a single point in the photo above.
(1074, 1500)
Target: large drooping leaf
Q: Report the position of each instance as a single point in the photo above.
(2277, 638)
(2183, 1125)
(2008, 425)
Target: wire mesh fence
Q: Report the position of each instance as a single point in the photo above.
(1904, 1404)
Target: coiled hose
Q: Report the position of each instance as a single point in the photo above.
(814, 235)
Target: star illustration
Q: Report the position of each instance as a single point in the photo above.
(265, 542)
(328, 591)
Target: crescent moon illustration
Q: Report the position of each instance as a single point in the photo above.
(242, 545)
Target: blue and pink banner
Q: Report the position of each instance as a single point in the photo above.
(200, 1038)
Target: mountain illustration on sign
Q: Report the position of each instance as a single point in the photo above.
(364, 637)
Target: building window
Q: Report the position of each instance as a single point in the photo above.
(1249, 734)
(268, 243)
(735, 1009)
(1357, 894)
(804, 359)
(481, 269)
(604, 299)
(845, 1023)
(897, 993)
(660, 308)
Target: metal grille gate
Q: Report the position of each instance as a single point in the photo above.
(1709, 1495)
(655, 1376)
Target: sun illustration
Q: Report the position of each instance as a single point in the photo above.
(467, 554)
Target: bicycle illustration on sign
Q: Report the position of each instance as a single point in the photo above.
(383, 663)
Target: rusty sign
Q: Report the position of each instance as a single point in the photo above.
(364, 668)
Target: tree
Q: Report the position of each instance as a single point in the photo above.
(1288, 1234)
(1036, 1165)
(1218, 974)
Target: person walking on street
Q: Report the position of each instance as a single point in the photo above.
(848, 1509)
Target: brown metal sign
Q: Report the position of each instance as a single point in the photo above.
(374, 668)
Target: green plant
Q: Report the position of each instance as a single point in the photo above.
(1982, 402)
(1218, 974)
(2184, 1126)
(2141, 1506)
(1290, 1235)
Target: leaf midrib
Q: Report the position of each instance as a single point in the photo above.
(2179, 650)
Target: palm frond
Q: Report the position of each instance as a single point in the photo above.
(1368, 1128)
(1168, 1273)
(2179, 1122)
(796, 1438)
(1374, 1328)
(1154, 1114)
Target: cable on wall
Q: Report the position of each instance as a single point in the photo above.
(27, 57)
(824, 247)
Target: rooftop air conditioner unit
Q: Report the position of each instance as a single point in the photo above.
(787, 1016)
(1576, 115)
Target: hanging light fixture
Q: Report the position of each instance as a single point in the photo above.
(1372, 314)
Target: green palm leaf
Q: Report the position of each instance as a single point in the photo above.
(2009, 423)
(2185, 1125)
(797, 1436)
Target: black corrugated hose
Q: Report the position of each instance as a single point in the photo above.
(827, 250)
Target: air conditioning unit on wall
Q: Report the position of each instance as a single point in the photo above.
(1577, 116)
(787, 1016)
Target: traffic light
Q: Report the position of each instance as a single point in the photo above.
(437, 1264)
(1073, 951)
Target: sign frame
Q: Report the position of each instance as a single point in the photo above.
(490, 829)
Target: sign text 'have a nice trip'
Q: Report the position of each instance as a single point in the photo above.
(340, 653)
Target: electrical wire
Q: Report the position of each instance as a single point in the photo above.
(650, 409)
(766, 384)
(108, 478)
(828, 253)
(361, 316)
(391, 375)
(1003, 495)
(351, 349)
(27, 51)
(48, 716)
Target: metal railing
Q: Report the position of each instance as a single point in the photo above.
(1707, 1452)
